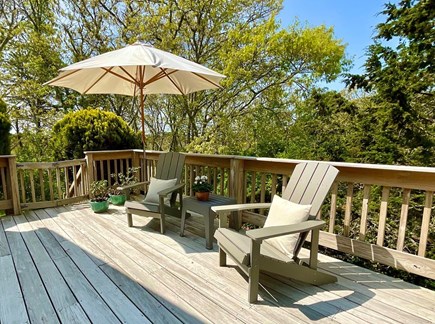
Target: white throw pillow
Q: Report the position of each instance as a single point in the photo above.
(284, 212)
(157, 185)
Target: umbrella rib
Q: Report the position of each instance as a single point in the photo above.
(205, 79)
(61, 77)
(132, 80)
(158, 76)
(170, 79)
(96, 81)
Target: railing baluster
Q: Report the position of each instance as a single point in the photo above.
(273, 189)
(65, 171)
(192, 179)
(284, 182)
(364, 212)
(116, 168)
(215, 180)
(383, 215)
(348, 210)
(333, 208)
(75, 181)
(263, 191)
(50, 184)
(23, 190)
(253, 186)
(101, 170)
(109, 172)
(42, 184)
(222, 174)
(58, 184)
(425, 223)
(32, 186)
(403, 219)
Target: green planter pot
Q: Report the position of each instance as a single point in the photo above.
(118, 200)
(99, 206)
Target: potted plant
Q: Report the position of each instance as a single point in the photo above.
(202, 188)
(118, 194)
(99, 194)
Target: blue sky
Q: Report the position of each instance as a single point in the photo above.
(354, 22)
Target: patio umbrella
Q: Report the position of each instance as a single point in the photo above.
(137, 70)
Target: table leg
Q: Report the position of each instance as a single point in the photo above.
(209, 227)
(183, 220)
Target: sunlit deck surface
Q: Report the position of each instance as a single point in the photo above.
(69, 265)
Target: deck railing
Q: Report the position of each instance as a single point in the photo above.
(49, 184)
(377, 212)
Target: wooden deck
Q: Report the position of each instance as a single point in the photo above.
(70, 265)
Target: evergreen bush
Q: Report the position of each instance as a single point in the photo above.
(91, 130)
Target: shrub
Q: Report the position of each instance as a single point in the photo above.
(91, 130)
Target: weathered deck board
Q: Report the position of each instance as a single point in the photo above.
(38, 303)
(67, 307)
(12, 307)
(107, 272)
(227, 308)
(92, 303)
(143, 267)
(344, 302)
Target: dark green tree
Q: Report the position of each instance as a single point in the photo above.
(5, 127)
(91, 130)
(402, 80)
(326, 128)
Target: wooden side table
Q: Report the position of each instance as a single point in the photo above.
(204, 208)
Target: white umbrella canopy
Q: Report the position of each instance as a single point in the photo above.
(137, 70)
(138, 66)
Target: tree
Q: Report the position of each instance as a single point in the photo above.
(91, 130)
(260, 59)
(327, 127)
(5, 127)
(402, 80)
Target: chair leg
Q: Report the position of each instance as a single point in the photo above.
(254, 272)
(162, 223)
(129, 220)
(254, 278)
(222, 258)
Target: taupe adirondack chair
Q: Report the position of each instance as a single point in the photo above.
(308, 185)
(169, 166)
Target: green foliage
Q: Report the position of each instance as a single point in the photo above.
(5, 127)
(402, 79)
(327, 127)
(99, 190)
(124, 179)
(91, 130)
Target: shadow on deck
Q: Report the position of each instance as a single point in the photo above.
(68, 264)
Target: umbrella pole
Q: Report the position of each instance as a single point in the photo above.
(142, 115)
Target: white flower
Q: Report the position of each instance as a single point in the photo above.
(204, 178)
(197, 178)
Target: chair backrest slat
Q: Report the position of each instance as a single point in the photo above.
(309, 184)
(170, 166)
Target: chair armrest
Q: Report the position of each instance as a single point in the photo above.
(167, 191)
(274, 231)
(134, 185)
(230, 208)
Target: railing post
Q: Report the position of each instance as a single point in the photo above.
(236, 189)
(13, 177)
(90, 166)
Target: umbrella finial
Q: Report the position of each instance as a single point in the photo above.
(141, 43)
